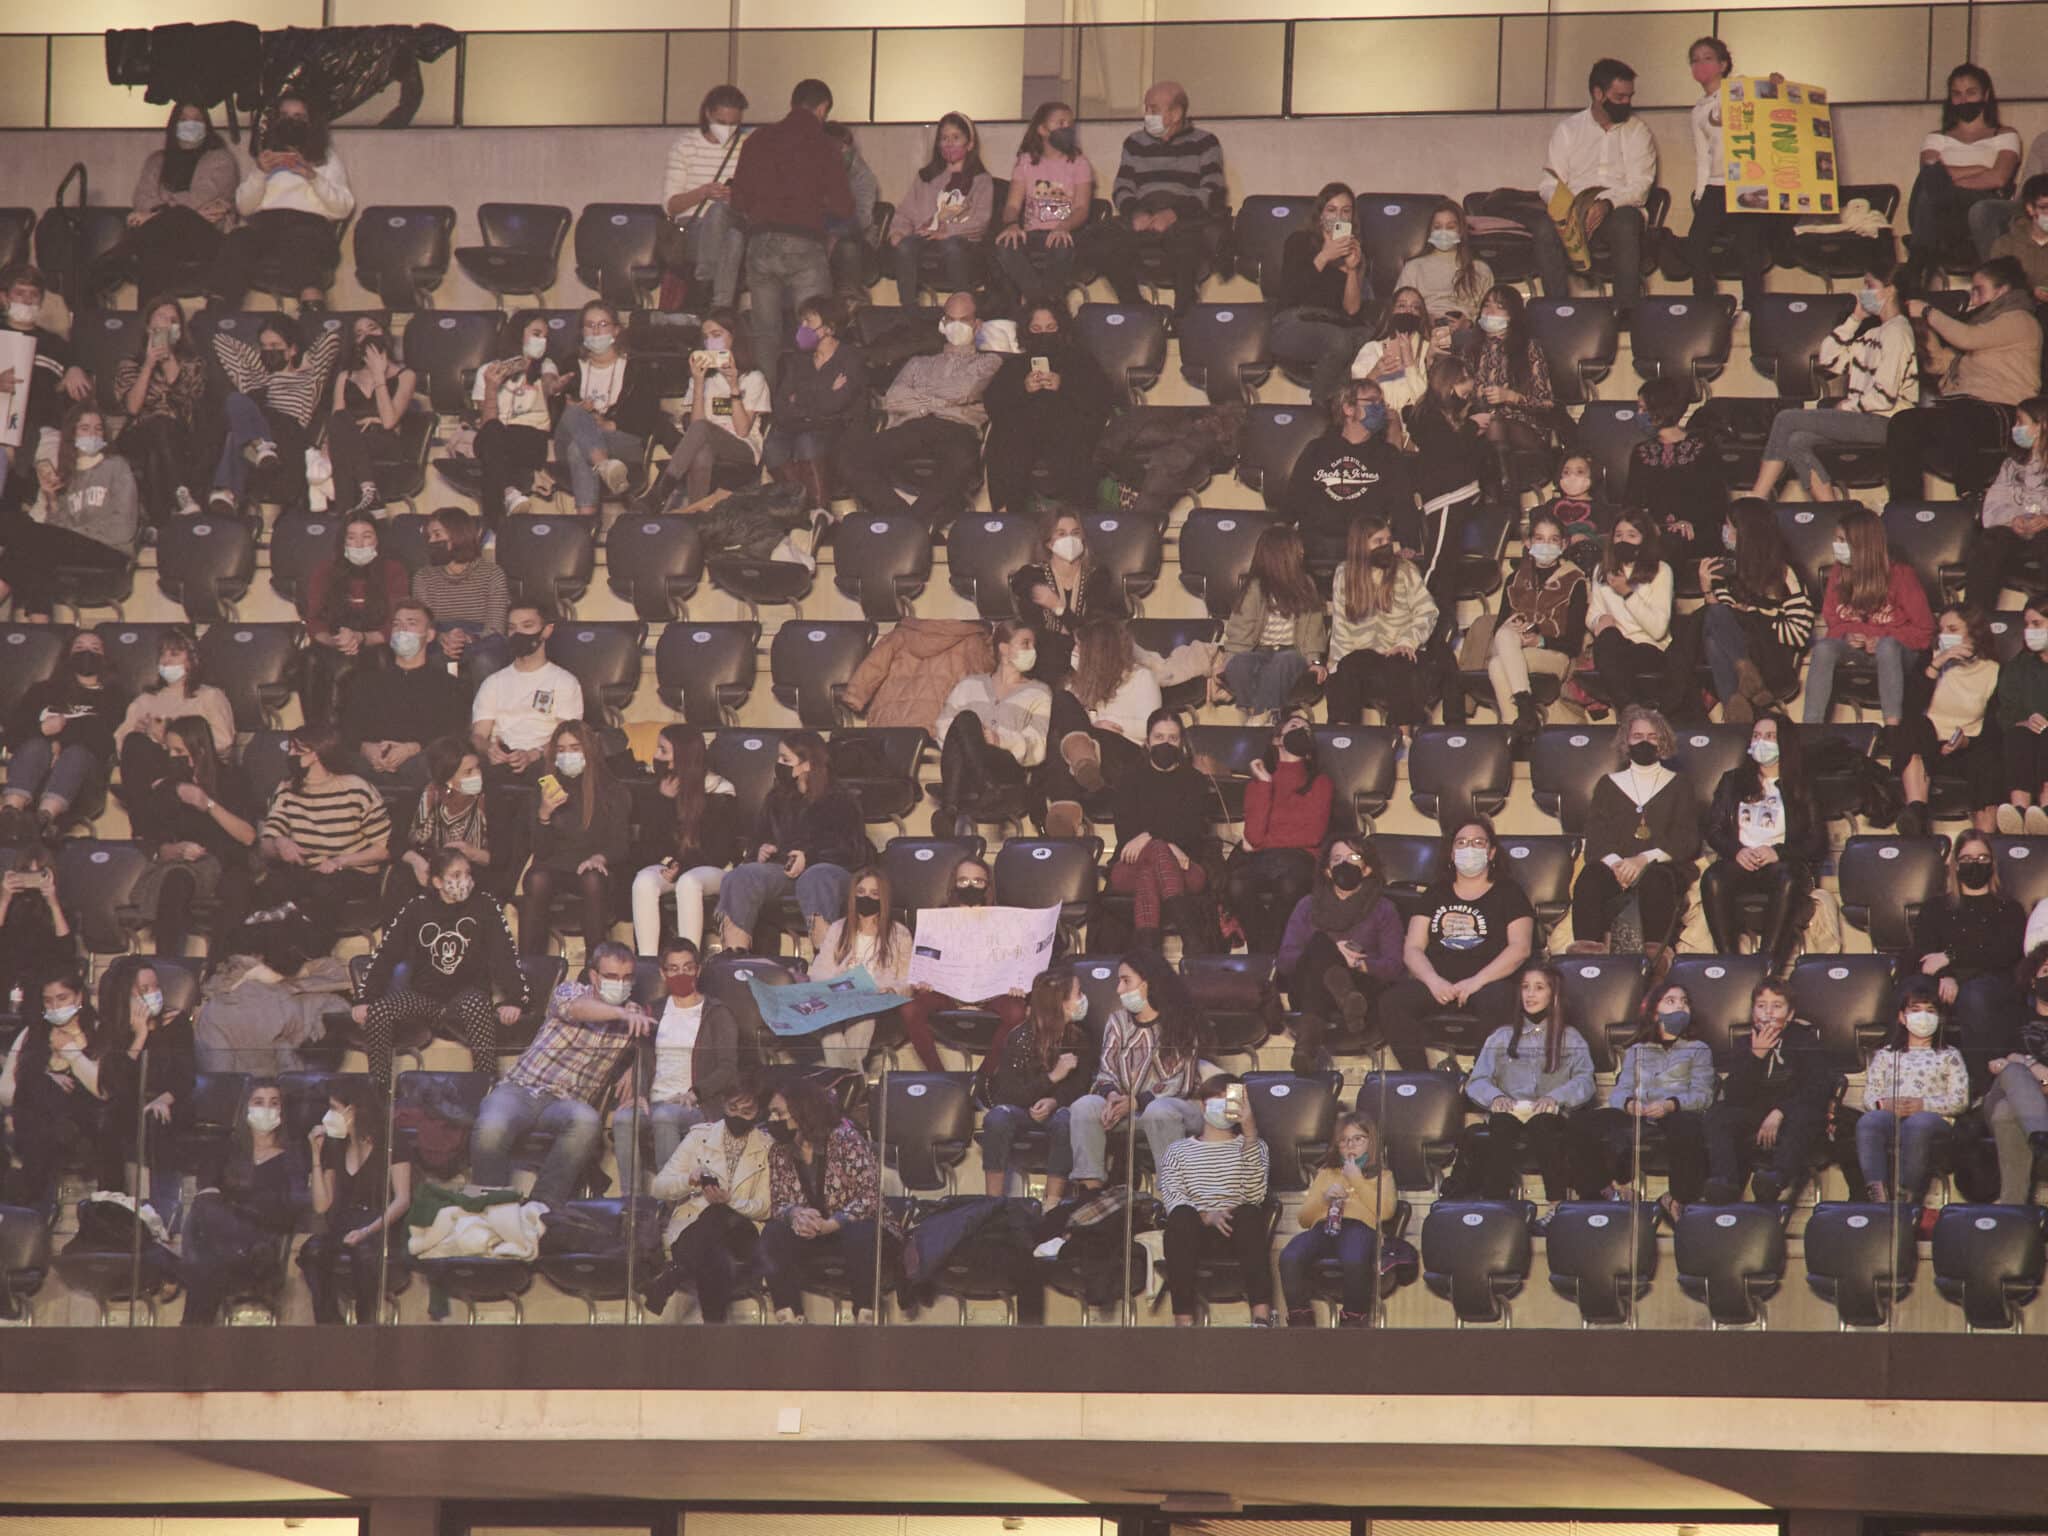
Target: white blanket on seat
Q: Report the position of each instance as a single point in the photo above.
(508, 1231)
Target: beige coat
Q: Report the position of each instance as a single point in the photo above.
(904, 680)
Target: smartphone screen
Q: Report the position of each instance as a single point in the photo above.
(1233, 1098)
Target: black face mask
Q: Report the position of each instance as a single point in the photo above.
(440, 554)
(86, 664)
(782, 1131)
(1347, 877)
(1618, 111)
(738, 1125)
(1384, 557)
(523, 645)
(1967, 111)
(1642, 753)
(867, 906)
(970, 895)
(179, 770)
(1974, 876)
(274, 361)
(1299, 742)
(785, 776)
(1066, 140)
(1165, 756)
(2041, 988)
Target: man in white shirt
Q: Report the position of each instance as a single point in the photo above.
(517, 709)
(693, 1069)
(1604, 149)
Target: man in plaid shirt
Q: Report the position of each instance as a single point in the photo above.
(561, 1079)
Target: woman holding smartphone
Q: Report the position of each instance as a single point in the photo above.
(1213, 1185)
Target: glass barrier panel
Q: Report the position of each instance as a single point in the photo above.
(1653, 40)
(697, 61)
(24, 73)
(920, 75)
(438, 79)
(772, 62)
(585, 78)
(1335, 65)
(1876, 53)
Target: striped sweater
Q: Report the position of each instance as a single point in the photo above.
(1214, 1175)
(1184, 173)
(292, 392)
(1881, 361)
(477, 599)
(344, 815)
(1790, 616)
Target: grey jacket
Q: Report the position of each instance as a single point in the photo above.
(1247, 622)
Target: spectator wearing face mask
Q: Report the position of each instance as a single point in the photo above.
(249, 1204)
(1597, 175)
(723, 406)
(371, 397)
(180, 689)
(2021, 707)
(1971, 158)
(1277, 632)
(693, 1071)
(1913, 1089)
(2015, 511)
(612, 408)
(948, 205)
(1396, 356)
(1758, 617)
(932, 411)
(1516, 406)
(291, 200)
(1585, 514)
(1325, 290)
(1162, 829)
(1663, 1090)
(2026, 242)
(1352, 471)
(514, 716)
(361, 1187)
(390, 714)
(451, 814)
(56, 1091)
(1046, 408)
(87, 513)
(1768, 840)
(1950, 733)
(184, 197)
(53, 385)
(1040, 1064)
(1642, 833)
(1969, 940)
(1638, 656)
(274, 390)
(1341, 947)
(1168, 196)
(825, 1188)
(148, 1074)
(580, 831)
(971, 886)
(810, 834)
(1059, 592)
(1286, 818)
(1874, 606)
(1992, 217)
(789, 190)
(821, 398)
(1452, 281)
(162, 389)
(717, 1182)
(1149, 1069)
(866, 937)
(992, 731)
(193, 809)
(1774, 1106)
(466, 591)
(324, 839)
(60, 741)
(1530, 1072)
(1213, 1184)
(1990, 356)
(687, 844)
(1712, 218)
(1381, 617)
(514, 424)
(1052, 187)
(696, 192)
(1539, 630)
(350, 600)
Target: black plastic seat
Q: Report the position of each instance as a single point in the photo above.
(205, 564)
(1215, 553)
(605, 658)
(96, 881)
(1580, 338)
(1458, 771)
(402, 253)
(1410, 863)
(1225, 350)
(1296, 1116)
(1129, 549)
(1162, 637)
(1566, 764)
(757, 582)
(17, 231)
(1476, 1255)
(1272, 442)
(24, 1259)
(2022, 868)
(745, 758)
(1850, 999)
(982, 549)
(1392, 228)
(1845, 257)
(879, 767)
(1361, 762)
(1884, 881)
(1259, 235)
(1705, 753)
(300, 543)
(1861, 1259)
(1988, 1260)
(32, 654)
(1226, 753)
(548, 561)
(255, 665)
(615, 252)
(600, 1272)
(924, 1123)
(882, 560)
(1058, 872)
(522, 245)
(655, 563)
(1683, 339)
(1785, 334)
(920, 870)
(811, 662)
(1932, 537)
(1719, 986)
(1602, 1257)
(72, 238)
(1417, 1116)
(1128, 342)
(1732, 1258)
(707, 670)
(101, 340)
(448, 348)
(1809, 530)
(480, 1282)
(1239, 999)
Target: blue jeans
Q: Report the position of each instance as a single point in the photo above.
(781, 447)
(820, 891)
(1892, 660)
(667, 1122)
(782, 271)
(508, 1114)
(1263, 681)
(717, 245)
(1353, 1247)
(1725, 644)
(246, 424)
(40, 766)
(1916, 1136)
(956, 267)
(577, 436)
(1621, 232)
(1001, 1127)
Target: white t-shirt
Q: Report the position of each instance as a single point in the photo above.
(1761, 823)
(527, 706)
(1133, 702)
(600, 384)
(718, 393)
(521, 402)
(1984, 152)
(674, 1038)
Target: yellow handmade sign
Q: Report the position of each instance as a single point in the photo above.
(1778, 139)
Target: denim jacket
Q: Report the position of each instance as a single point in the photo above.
(1521, 1076)
(1682, 1070)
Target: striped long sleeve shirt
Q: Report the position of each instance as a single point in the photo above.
(342, 816)
(1214, 1175)
(1881, 362)
(1184, 173)
(293, 392)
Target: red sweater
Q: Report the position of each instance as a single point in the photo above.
(792, 178)
(1277, 816)
(1904, 617)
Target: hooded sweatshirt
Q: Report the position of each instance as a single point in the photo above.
(905, 679)
(448, 949)
(101, 503)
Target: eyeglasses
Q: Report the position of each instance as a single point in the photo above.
(1472, 842)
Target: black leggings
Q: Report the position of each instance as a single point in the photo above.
(1598, 897)
(166, 251)
(1188, 1236)
(330, 1265)
(2026, 760)
(1964, 435)
(303, 244)
(509, 458)
(1603, 1144)
(318, 897)
(1398, 685)
(1633, 673)
(536, 901)
(33, 553)
(1496, 1163)
(970, 765)
(711, 1256)
(353, 446)
(163, 452)
(468, 1016)
(1787, 882)
(1262, 886)
(1405, 1004)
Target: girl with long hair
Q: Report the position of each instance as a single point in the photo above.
(1973, 157)
(1956, 730)
(1539, 630)
(250, 1203)
(1768, 839)
(867, 936)
(825, 1189)
(1046, 408)
(1453, 282)
(971, 885)
(1675, 476)
(1052, 188)
(162, 388)
(690, 854)
(1058, 589)
(1340, 1220)
(1913, 1088)
(451, 812)
(724, 404)
(1381, 617)
(1517, 402)
(372, 392)
(1662, 1092)
(1325, 284)
(613, 406)
(1151, 1045)
(993, 731)
(2014, 517)
(808, 839)
(1527, 1075)
(514, 424)
(1713, 219)
(1286, 817)
(1874, 606)
(1758, 617)
(1970, 940)
(53, 1092)
(349, 600)
(199, 818)
(580, 831)
(1629, 612)
(1277, 630)
(1030, 1079)
(362, 1186)
(1162, 825)
(948, 206)
(184, 198)
(294, 195)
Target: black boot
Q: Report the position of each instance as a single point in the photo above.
(1528, 719)
(1913, 819)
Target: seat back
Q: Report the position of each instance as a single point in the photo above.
(24, 1250)
(101, 339)
(538, 228)
(402, 253)
(1602, 999)
(1849, 999)
(1809, 532)
(32, 653)
(1215, 553)
(1580, 338)
(266, 764)
(730, 979)
(1543, 867)
(745, 758)
(1602, 1257)
(1225, 349)
(707, 670)
(1932, 536)
(1845, 256)
(920, 870)
(300, 541)
(1129, 549)
(1606, 432)
(882, 560)
(1456, 772)
(1705, 753)
(1785, 333)
(1475, 1255)
(1259, 234)
(982, 549)
(1884, 881)
(1416, 1116)
(655, 563)
(1273, 439)
(1988, 1260)
(1128, 343)
(605, 658)
(70, 236)
(205, 564)
(615, 251)
(1731, 1257)
(1392, 227)
(811, 662)
(1719, 986)
(1410, 863)
(1047, 872)
(1566, 764)
(547, 561)
(1297, 1117)
(1683, 339)
(17, 229)
(924, 1122)
(1861, 1258)
(255, 665)
(2022, 868)
(95, 881)
(1361, 761)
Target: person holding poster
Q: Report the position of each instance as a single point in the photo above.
(971, 886)
(868, 936)
(1711, 215)
(1973, 157)
(37, 382)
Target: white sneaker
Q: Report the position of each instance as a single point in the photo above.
(184, 504)
(224, 500)
(516, 501)
(613, 473)
(263, 451)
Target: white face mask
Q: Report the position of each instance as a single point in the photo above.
(407, 643)
(2037, 639)
(1068, 546)
(356, 554)
(1444, 239)
(1494, 325)
(1024, 661)
(599, 344)
(1470, 862)
(614, 992)
(154, 1002)
(1575, 486)
(61, 1016)
(264, 1118)
(535, 347)
(190, 134)
(1155, 124)
(335, 1124)
(1545, 552)
(172, 671)
(1842, 552)
(1947, 640)
(569, 764)
(1217, 1112)
(471, 784)
(23, 314)
(958, 333)
(1921, 1023)
(89, 446)
(721, 133)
